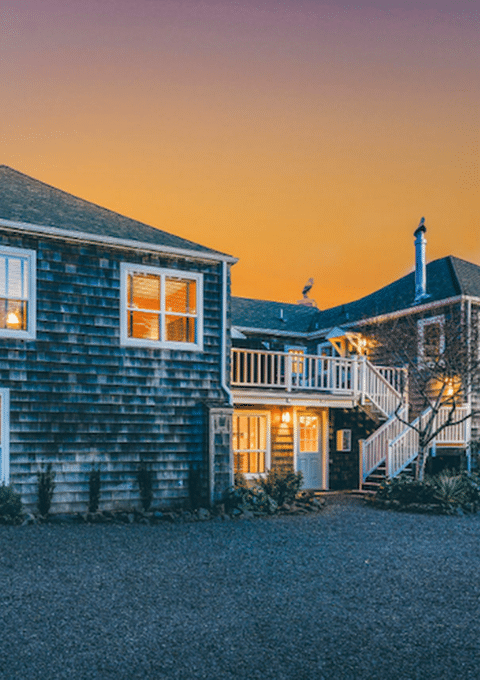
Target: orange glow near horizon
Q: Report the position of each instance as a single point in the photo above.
(306, 139)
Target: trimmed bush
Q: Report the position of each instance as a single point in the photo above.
(46, 486)
(406, 490)
(281, 485)
(11, 509)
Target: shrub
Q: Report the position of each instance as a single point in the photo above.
(457, 491)
(448, 490)
(243, 496)
(46, 486)
(11, 509)
(145, 484)
(406, 490)
(93, 489)
(282, 485)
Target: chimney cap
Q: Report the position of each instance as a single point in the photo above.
(421, 228)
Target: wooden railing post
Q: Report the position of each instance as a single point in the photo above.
(363, 379)
(361, 464)
(288, 372)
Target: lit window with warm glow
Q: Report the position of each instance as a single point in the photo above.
(161, 307)
(308, 433)
(250, 443)
(17, 293)
(297, 360)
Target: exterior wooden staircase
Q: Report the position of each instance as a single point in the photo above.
(393, 447)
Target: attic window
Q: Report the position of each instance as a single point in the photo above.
(17, 293)
(161, 307)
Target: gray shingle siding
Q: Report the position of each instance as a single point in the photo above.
(77, 395)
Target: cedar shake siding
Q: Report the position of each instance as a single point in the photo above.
(78, 396)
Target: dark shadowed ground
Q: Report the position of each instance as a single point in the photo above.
(352, 592)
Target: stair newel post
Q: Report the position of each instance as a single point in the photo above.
(363, 378)
(388, 459)
(361, 464)
(355, 377)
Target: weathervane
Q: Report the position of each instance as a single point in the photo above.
(308, 302)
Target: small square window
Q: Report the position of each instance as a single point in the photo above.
(344, 440)
(17, 293)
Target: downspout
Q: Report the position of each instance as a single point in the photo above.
(468, 425)
(223, 358)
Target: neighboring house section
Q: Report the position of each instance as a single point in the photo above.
(330, 395)
(114, 340)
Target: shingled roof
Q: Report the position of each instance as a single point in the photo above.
(446, 278)
(27, 200)
(264, 314)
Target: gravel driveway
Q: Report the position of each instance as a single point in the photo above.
(352, 592)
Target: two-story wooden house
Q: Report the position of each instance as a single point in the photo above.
(114, 340)
(309, 393)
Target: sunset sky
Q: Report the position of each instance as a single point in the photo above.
(305, 138)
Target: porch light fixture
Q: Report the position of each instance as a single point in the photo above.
(285, 416)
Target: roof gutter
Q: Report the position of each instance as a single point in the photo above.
(55, 232)
(312, 335)
(401, 312)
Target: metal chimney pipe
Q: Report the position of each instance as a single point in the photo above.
(420, 262)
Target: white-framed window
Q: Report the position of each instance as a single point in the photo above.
(297, 353)
(344, 440)
(17, 293)
(431, 338)
(251, 442)
(326, 349)
(161, 307)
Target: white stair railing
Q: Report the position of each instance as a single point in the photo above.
(375, 447)
(404, 448)
(379, 390)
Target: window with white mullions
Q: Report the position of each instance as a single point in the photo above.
(161, 307)
(17, 292)
(181, 309)
(250, 443)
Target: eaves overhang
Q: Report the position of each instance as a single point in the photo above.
(85, 237)
(270, 331)
(321, 332)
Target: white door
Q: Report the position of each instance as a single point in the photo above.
(309, 451)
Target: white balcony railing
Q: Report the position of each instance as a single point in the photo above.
(355, 377)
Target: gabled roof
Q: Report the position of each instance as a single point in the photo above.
(264, 314)
(27, 200)
(442, 283)
(447, 277)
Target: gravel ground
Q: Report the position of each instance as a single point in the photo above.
(351, 592)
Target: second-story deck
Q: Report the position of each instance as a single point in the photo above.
(353, 379)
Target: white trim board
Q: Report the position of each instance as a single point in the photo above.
(55, 232)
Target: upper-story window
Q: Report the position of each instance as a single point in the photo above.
(431, 338)
(161, 307)
(17, 293)
(297, 353)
